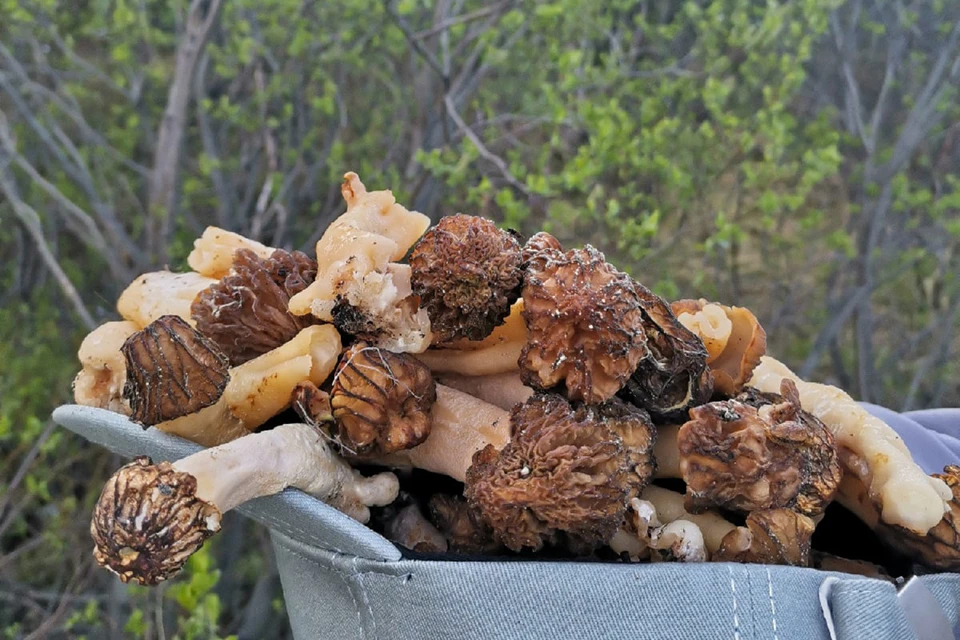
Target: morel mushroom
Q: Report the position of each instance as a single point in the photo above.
(213, 252)
(673, 376)
(467, 274)
(906, 495)
(166, 365)
(734, 339)
(172, 370)
(463, 528)
(151, 517)
(939, 549)
(739, 457)
(100, 381)
(359, 286)
(381, 401)
(585, 325)
(636, 431)
(775, 536)
(161, 293)
(560, 472)
(497, 353)
(245, 313)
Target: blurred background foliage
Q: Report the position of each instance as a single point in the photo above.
(798, 158)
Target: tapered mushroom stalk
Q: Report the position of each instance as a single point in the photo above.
(679, 540)
(907, 497)
(214, 251)
(938, 549)
(179, 382)
(100, 382)
(161, 293)
(151, 517)
(502, 389)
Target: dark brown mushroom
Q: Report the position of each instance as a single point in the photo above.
(560, 472)
(637, 433)
(246, 313)
(467, 274)
(739, 457)
(674, 375)
(775, 536)
(172, 371)
(585, 325)
(381, 401)
(143, 539)
(462, 526)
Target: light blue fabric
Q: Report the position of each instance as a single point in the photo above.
(342, 580)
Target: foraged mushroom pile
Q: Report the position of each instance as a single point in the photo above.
(573, 413)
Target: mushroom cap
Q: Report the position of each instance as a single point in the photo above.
(560, 472)
(775, 536)
(172, 371)
(674, 375)
(246, 313)
(636, 431)
(736, 456)
(536, 244)
(461, 525)
(585, 325)
(381, 401)
(149, 520)
(467, 274)
(940, 548)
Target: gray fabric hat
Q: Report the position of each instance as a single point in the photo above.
(341, 580)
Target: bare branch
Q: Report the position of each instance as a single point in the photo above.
(31, 220)
(162, 190)
(485, 153)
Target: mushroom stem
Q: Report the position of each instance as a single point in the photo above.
(411, 529)
(496, 358)
(212, 254)
(461, 425)
(261, 388)
(669, 506)
(666, 452)
(161, 293)
(907, 496)
(151, 517)
(100, 382)
(292, 455)
(501, 389)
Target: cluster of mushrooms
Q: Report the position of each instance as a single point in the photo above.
(573, 411)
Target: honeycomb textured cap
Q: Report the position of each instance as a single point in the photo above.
(149, 520)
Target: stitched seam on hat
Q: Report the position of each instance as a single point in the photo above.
(363, 594)
(773, 605)
(344, 577)
(733, 590)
